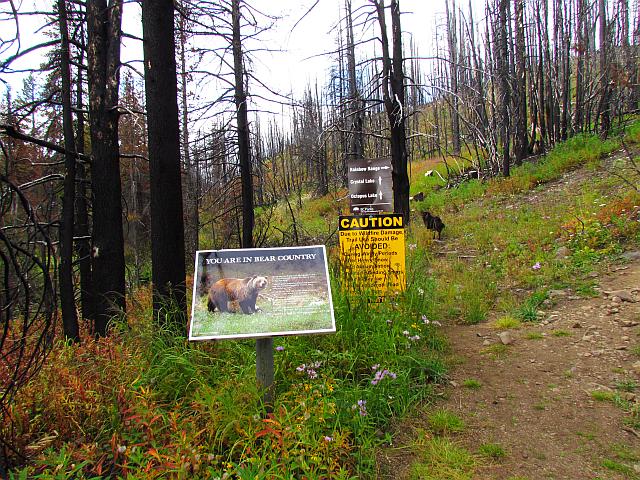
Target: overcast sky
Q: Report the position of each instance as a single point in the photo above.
(299, 61)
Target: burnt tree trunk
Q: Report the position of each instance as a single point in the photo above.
(520, 86)
(167, 224)
(581, 47)
(357, 113)
(108, 266)
(604, 106)
(453, 69)
(502, 66)
(82, 223)
(393, 93)
(67, 301)
(244, 150)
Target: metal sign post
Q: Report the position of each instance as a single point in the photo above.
(264, 369)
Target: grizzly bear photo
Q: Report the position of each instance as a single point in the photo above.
(244, 291)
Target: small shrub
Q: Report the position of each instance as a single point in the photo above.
(618, 467)
(498, 350)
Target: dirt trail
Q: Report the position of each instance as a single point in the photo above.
(535, 395)
(535, 398)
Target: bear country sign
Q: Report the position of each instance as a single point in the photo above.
(261, 292)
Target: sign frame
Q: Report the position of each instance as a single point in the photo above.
(278, 266)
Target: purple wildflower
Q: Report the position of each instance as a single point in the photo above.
(279, 348)
(328, 439)
(380, 374)
(537, 266)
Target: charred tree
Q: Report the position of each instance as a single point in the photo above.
(520, 86)
(357, 109)
(393, 94)
(108, 266)
(604, 107)
(67, 300)
(167, 224)
(244, 150)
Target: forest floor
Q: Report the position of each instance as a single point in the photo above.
(554, 400)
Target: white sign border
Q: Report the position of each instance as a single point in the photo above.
(196, 278)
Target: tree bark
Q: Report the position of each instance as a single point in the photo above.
(357, 114)
(167, 223)
(520, 90)
(393, 92)
(581, 47)
(244, 150)
(83, 244)
(453, 72)
(108, 265)
(502, 59)
(604, 107)
(67, 300)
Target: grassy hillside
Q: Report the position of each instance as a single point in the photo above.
(145, 404)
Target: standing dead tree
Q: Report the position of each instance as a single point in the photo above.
(28, 307)
(108, 266)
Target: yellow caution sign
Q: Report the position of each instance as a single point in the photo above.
(372, 253)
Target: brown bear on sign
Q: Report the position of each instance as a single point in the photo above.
(242, 290)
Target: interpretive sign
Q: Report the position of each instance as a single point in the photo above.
(372, 253)
(261, 292)
(370, 186)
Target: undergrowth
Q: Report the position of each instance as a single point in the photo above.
(144, 403)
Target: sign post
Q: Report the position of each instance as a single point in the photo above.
(261, 293)
(264, 369)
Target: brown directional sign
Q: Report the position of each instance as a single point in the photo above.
(370, 186)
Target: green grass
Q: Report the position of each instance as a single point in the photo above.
(534, 336)
(493, 451)
(442, 459)
(496, 351)
(561, 333)
(506, 323)
(198, 403)
(621, 468)
(602, 396)
(472, 384)
(443, 422)
(627, 385)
